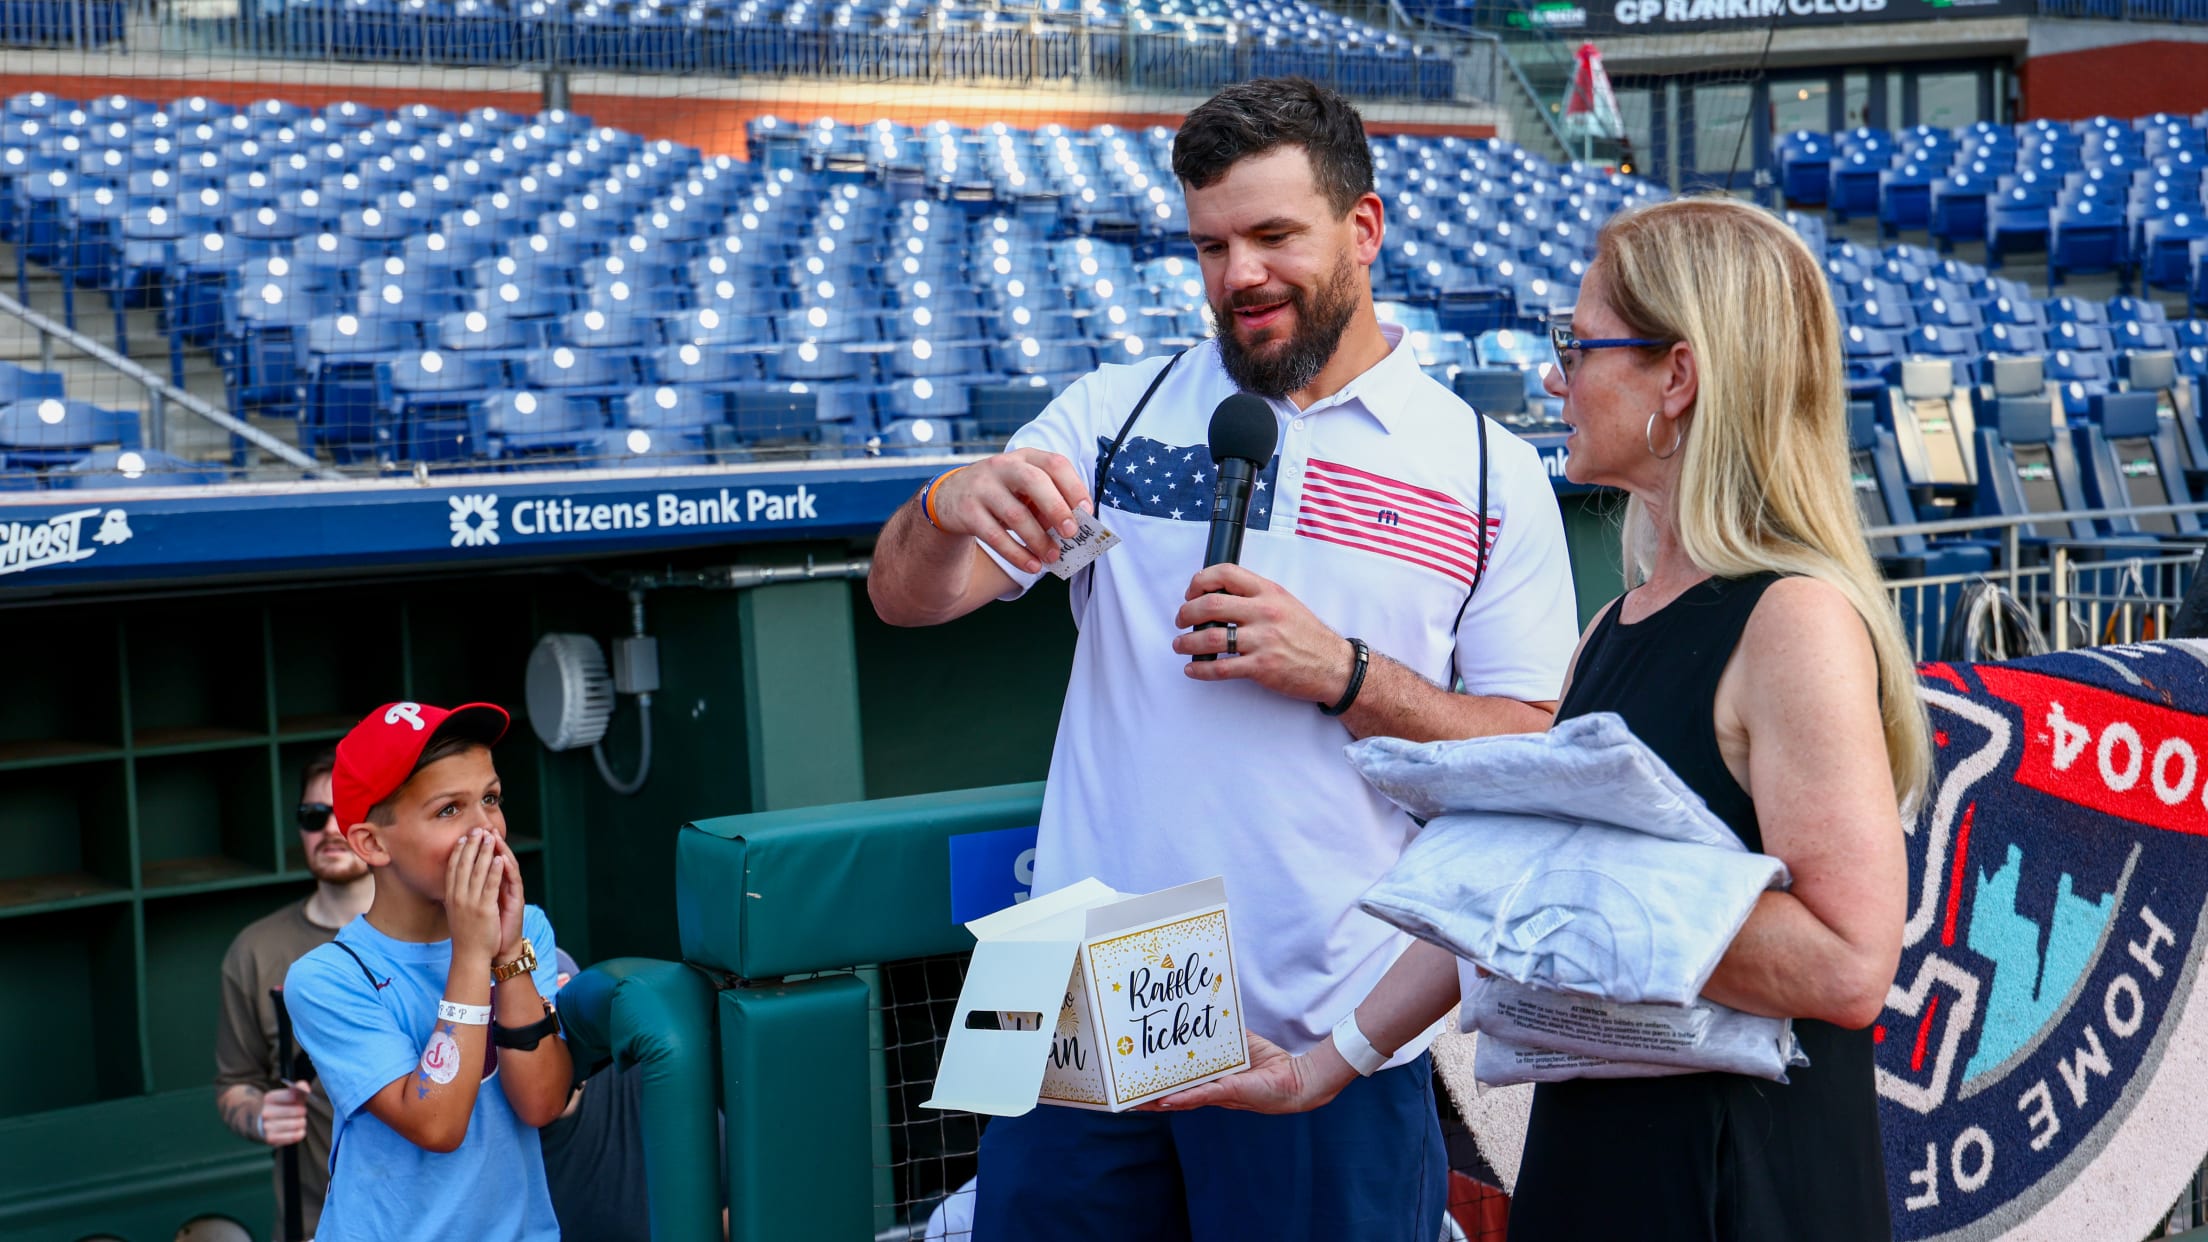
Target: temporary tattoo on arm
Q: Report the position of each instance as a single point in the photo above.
(440, 1061)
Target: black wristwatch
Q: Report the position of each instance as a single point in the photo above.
(526, 1038)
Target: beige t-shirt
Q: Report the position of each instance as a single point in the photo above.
(245, 1038)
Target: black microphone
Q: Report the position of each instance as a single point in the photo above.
(1243, 433)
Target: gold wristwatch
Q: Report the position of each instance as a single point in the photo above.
(527, 961)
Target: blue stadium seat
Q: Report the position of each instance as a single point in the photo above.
(814, 361)
(1868, 352)
(42, 432)
(1904, 198)
(22, 384)
(2026, 312)
(2131, 337)
(1035, 355)
(2085, 237)
(2004, 338)
(1957, 347)
(110, 469)
(582, 367)
(475, 330)
(597, 329)
(2016, 221)
(1805, 162)
(1959, 313)
(1890, 314)
(2127, 309)
(505, 424)
(2083, 336)
(1853, 184)
(707, 364)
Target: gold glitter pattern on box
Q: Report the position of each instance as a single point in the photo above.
(1204, 936)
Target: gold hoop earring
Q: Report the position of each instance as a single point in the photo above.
(1648, 434)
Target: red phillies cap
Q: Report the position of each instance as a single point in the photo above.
(380, 753)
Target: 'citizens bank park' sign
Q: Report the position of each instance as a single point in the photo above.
(2043, 1059)
(1674, 16)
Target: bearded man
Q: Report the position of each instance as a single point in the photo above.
(1404, 573)
(252, 1091)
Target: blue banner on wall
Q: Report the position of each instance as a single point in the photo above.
(57, 540)
(990, 871)
(156, 534)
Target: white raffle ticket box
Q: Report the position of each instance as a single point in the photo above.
(1139, 993)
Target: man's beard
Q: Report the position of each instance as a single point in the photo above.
(1277, 368)
(336, 870)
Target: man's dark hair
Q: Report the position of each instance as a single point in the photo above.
(322, 764)
(1265, 114)
(383, 814)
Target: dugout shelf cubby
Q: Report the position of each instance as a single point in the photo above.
(149, 767)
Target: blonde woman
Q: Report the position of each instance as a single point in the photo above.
(1756, 653)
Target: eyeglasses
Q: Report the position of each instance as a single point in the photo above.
(1569, 348)
(314, 816)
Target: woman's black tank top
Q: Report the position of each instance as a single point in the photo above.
(1705, 1157)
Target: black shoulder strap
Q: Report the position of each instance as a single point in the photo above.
(363, 966)
(1104, 464)
(1479, 528)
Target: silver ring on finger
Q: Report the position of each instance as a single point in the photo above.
(1232, 650)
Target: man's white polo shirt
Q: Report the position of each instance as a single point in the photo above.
(1365, 515)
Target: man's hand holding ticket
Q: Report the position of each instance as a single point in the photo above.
(1030, 507)
(1074, 554)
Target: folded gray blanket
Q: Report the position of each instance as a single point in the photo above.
(1575, 864)
(1531, 1035)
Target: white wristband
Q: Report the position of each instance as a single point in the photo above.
(1350, 1041)
(465, 1015)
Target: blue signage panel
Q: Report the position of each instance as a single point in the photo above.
(158, 533)
(990, 871)
(57, 540)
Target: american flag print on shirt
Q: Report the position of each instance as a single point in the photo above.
(1177, 482)
(1374, 513)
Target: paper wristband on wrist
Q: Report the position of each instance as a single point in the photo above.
(1350, 1041)
(1361, 656)
(526, 1038)
(465, 1015)
(927, 497)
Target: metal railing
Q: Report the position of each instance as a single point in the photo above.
(2184, 12)
(2081, 592)
(160, 394)
(1179, 55)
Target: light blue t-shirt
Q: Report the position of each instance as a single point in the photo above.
(363, 1035)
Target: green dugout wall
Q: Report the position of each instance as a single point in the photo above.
(149, 750)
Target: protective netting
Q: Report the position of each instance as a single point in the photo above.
(926, 1158)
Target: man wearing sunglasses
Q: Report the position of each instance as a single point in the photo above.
(253, 1092)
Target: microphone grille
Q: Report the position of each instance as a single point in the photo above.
(1244, 427)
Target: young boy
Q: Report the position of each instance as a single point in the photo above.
(425, 1017)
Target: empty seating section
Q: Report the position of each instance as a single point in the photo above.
(2102, 195)
(1972, 396)
(1180, 46)
(421, 287)
(48, 438)
(62, 23)
(415, 286)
